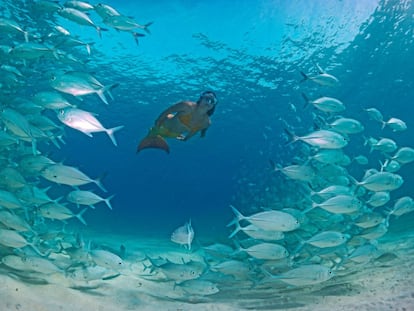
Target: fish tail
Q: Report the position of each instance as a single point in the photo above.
(98, 182)
(298, 249)
(79, 216)
(389, 212)
(145, 27)
(111, 132)
(108, 89)
(239, 216)
(304, 75)
(237, 229)
(34, 146)
(239, 248)
(101, 94)
(34, 247)
(153, 141)
(313, 206)
(88, 49)
(99, 30)
(307, 101)
(26, 36)
(293, 138)
(136, 35)
(108, 201)
(357, 184)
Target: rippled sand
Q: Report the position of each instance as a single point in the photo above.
(384, 285)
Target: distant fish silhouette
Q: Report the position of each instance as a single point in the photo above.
(183, 235)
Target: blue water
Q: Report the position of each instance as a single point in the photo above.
(252, 60)
(251, 54)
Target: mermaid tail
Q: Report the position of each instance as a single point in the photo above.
(153, 141)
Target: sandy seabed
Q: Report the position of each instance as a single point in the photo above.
(385, 286)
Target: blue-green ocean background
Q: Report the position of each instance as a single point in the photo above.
(251, 54)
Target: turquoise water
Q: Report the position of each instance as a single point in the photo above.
(254, 56)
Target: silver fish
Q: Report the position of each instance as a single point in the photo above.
(384, 145)
(395, 124)
(199, 287)
(324, 79)
(328, 239)
(84, 197)
(68, 175)
(297, 172)
(404, 155)
(379, 198)
(125, 23)
(375, 114)
(106, 259)
(80, 18)
(51, 100)
(54, 210)
(323, 139)
(326, 104)
(105, 11)
(78, 83)
(85, 122)
(340, 204)
(304, 275)
(269, 220)
(382, 181)
(10, 26)
(183, 235)
(346, 126)
(266, 251)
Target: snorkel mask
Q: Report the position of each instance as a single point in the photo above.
(211, 98)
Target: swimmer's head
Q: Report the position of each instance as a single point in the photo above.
(210, 98)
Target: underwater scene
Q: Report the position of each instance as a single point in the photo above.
(206, 155)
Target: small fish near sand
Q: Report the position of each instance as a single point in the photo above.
(183, 235)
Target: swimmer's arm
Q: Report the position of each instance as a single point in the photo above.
(203, 133)
(189, 135)
(180, 107)
(192, 133)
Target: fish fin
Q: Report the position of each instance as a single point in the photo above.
(151, 141)
(111, 132)
(26, 36)
(79, 216)
(34, 247)
(107, 201)
(109, 88)
(99, 30)
(320, 70)
(237, 229)
(136, 35)
(239, 216)
(304, 75)
(98, 182)
(146, 27)
(101, 94)
(291, 135)
(307, 101)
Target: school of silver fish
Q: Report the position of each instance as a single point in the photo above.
(332, 226)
